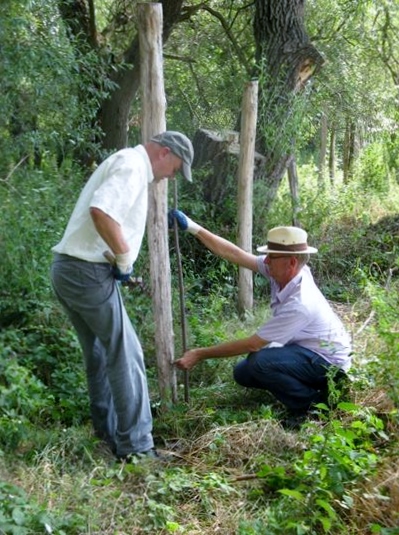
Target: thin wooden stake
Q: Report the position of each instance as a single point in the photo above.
(182, 296)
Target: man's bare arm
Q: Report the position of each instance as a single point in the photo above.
(109, 230)
(227, 349)
(227, 250)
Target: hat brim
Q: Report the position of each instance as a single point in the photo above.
(265, 249)
(186, 171)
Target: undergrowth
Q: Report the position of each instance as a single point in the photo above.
(234, 469)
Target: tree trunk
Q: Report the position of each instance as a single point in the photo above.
(348, 150)
(245, 187)
(219, 154)
(114, 113)
(323, 152)
(294, 189)
(113, 116)
(287, 61)
(331, 156)
(153, 122)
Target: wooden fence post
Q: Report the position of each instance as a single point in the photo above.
(153, 105)
(245, 188)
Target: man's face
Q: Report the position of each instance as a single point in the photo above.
(280, 267)
(166, 165)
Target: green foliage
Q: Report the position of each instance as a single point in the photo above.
(385, 302)
(23, 398)
(44, 357)
(309, 482)
(372, 168)
(36, 206)
(202, 66)
(326, 475)
(39, 383)
(42, 114)
(19, 515)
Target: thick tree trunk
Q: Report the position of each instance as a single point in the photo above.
(219, 156)
(287, 61)
(114, 112)
(113, 115)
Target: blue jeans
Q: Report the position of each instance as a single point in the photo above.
(115, 370)
(296, 376)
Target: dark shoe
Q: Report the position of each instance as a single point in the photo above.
(151, 454)
(293, 422)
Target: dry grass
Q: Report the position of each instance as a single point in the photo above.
(377, 500)
(216, 463)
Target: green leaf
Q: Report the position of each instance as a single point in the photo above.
(327, 507)
(293, 493)
(348, 407)
(326, 522)
(18, 516)
(172, 526)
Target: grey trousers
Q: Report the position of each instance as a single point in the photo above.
(115, 370)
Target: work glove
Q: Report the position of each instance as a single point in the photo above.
(123, 267)
(184, 222)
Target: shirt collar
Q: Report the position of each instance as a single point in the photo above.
(144, 153)
(288, 288)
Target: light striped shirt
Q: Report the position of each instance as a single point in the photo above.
(301, 315)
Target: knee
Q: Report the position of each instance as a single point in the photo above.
(241, 373)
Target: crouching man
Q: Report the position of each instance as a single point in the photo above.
(293, 353)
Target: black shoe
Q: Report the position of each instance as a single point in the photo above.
(151, 454)
(293, 422)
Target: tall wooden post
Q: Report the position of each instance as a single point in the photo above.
(245, 188)
(153, 105)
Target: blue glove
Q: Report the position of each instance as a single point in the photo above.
(184, 222)
(180, 218)
(121, 276)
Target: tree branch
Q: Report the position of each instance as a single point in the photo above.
(189, 11)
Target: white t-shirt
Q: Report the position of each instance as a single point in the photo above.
(118, 187)
(301, 315)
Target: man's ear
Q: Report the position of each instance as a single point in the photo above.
(294, 262)
(164, 151)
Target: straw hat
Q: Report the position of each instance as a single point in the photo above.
(290, 240)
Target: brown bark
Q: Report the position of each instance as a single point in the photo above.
(114, 112)
(288, 60)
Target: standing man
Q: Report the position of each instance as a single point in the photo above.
(291, 354)
(110, 214)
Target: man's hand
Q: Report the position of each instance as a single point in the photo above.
(188, 361)
(184, 222)
(120, 276)
(122, 269)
